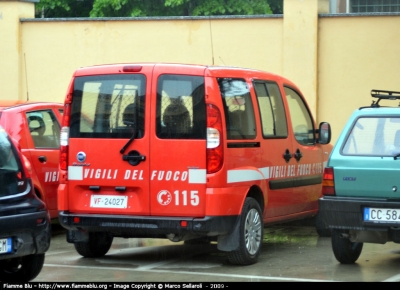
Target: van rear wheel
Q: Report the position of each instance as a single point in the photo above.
(251, 230)
(345, 251)
(97, 246)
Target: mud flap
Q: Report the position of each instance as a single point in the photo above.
(230, 242)
(77, 236)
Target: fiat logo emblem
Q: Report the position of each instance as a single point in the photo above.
(81, 156)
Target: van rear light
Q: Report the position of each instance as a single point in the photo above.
(214, 139)
(328, 183)
(64, 135)
(132, 68)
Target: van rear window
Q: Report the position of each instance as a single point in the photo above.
(238, 107)
(181, 109)
(108, 106)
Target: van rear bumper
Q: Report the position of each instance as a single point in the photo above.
(150, 227)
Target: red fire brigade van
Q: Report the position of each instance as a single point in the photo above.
(186, 152)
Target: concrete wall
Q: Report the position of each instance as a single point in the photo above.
(11, 52)
(355, 55)
(55, 49)
(336, 59)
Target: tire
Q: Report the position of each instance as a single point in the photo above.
(98, 245)
(345, 251)
(321, 228)
(21, 269)
(251, 231)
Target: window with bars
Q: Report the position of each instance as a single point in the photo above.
(359, 6)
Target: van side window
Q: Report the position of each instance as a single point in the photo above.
(239, 112)
(303, 125)
(181, 110)
(44, 129)
(271, 109)
(108, 106)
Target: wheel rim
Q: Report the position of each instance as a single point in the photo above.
(253, 231)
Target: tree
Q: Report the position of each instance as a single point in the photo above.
(276, 6)
(147, 8)
(63, 8)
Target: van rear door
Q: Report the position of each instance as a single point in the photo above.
(109, 142)
(178, 142)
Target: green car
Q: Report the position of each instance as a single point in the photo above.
(361, 186)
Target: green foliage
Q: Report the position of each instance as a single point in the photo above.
(276, 6)
(63, 8)
(231, 7)
(147, 8)
(129, 8)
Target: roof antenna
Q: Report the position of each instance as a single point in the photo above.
(26, 79)
(212, 45)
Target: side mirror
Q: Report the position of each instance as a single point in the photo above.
(324, 133)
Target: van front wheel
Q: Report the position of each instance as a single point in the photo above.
(97, 245)
(251, 230)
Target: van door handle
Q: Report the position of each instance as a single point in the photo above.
(287, 155)
(133, 157)
(42, 159)
(298, 155)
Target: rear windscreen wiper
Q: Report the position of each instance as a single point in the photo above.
(128, 143)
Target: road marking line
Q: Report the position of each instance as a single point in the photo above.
(142, 269)
(154, 265)
(393, 279)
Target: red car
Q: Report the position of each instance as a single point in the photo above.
(36, 127)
